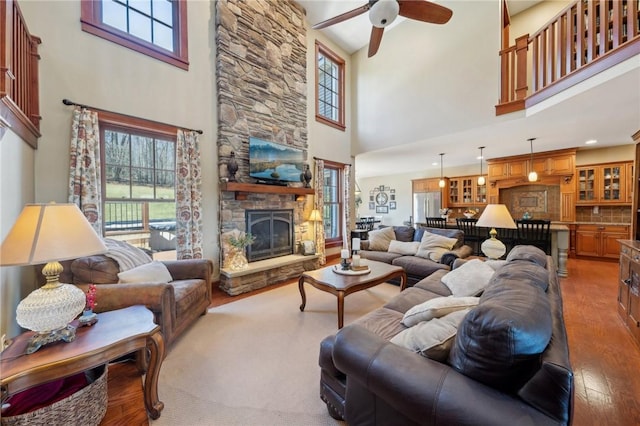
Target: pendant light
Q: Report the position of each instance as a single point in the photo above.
(481, 180)
(441, 184)
(533, 176)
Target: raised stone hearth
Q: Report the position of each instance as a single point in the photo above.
(266, 272)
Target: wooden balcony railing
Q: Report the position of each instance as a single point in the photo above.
(19, 99)
(585, 38)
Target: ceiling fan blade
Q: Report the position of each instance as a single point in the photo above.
(422, 10)
(374, 41)
(343, 17)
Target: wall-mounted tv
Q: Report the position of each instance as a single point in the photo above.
(270, 161)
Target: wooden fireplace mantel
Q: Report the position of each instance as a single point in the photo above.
(242, 190)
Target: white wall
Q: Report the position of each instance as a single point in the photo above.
(93, 71)
(16, 189)
(605, 155)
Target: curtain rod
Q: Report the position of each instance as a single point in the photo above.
(71, 103)
(331, 161)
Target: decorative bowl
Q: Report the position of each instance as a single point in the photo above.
(468, 215)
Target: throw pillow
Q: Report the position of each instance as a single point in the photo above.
(433, 246)
(380, 239)
(153, 273)
(432, 339)
(469, 279)
(436, 308)
(401, 247)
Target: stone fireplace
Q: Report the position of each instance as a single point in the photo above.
(261, 82)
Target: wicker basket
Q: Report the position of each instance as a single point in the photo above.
(85, 407)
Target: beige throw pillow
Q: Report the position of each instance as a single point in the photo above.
(153, 273)
(470, 279)
(436, 308)
(433, 246)
(408, 248)
(432, 339)
(380, 239)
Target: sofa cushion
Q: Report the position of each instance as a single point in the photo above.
(98, 269)
(528, 253)
(521, 272)
(408, 248)
(384, 322)
(379, 256)
(404, 233)
(407, 299)
(153, 273)
(469, 279)
(433, 246)
(432, 339)
(436, 308)
(449, 233)
(500, 340)
(434, 284)
(381, 238)
(417, 266)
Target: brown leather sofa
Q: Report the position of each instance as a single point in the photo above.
(175, 305)
(492, 375)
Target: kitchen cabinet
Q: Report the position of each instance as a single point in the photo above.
(562, 165)
(464, 192)
(507, 169)
(426, 185)
(598, 240)
(629, 287)
(603, 184)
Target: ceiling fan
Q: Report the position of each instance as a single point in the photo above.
(384, 12)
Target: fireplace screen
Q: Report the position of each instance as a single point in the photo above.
(273, 232)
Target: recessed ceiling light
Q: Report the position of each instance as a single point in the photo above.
(591, 142)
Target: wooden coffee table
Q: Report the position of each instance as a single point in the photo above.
(325, 279)
(117, 333)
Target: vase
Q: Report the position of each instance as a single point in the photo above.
(238, 261)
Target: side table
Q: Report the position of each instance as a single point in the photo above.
(117, 333)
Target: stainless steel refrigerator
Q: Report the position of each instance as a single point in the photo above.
(426, 204)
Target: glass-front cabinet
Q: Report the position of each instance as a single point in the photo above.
(611, 183)
(603, 184)
(587, 185)
(465, 192)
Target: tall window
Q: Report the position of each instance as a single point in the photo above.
(139, 184)
(333, 204)
(157, 28)
(329, 87)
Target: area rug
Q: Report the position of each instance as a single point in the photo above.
(255, 361)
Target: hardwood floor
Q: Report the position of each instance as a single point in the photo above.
(605, 359)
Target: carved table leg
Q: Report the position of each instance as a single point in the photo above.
(155, 345)
(302, 294)
(340, 309)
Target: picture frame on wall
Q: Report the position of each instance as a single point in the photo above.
(372, 206)
(382, 209)
(392, 205)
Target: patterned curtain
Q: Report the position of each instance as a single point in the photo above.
(346, 219)
(188, 196)
(319, 205)
(85, 187)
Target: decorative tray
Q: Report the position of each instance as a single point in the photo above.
(338, 270)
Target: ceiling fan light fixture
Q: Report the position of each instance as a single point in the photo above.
(384, 12)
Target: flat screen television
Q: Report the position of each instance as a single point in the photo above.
(270, 161)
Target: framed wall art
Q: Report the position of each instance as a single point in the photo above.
(382, 209)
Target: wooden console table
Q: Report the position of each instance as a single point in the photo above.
(117, 333)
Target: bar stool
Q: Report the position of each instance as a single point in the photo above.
(436, 222)
(471, 235)
(535, 232)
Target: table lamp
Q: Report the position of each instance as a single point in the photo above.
(495, 216)
(49, 233)
(314, 217)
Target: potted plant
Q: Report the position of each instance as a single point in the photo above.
(239, 242)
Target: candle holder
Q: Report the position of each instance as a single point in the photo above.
(344, 263)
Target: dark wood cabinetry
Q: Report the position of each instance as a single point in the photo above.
(629, 286)
(634, 190)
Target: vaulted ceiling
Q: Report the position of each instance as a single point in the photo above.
(432, 88)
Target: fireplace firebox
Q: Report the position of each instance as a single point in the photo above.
(273, 232)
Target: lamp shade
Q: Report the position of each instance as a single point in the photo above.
(496, 216)
(315, 216)
(49, 232)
